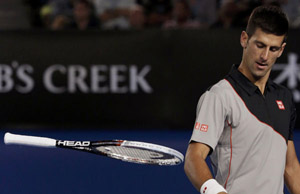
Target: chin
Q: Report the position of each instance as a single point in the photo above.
(259, 75)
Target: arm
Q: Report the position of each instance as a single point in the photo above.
(292, 170)
(195, 166)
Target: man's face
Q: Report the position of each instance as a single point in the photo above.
(260, 53)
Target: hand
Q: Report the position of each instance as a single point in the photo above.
(222, 193)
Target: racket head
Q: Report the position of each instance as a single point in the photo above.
(138, 152)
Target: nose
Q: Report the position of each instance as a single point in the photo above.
(264, 55)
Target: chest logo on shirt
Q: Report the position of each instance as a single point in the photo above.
(201, 127)
(280, 104)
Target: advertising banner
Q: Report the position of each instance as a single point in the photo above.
(122, 80)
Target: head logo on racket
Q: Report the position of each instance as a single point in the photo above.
(73, 143)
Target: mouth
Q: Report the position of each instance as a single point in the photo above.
(261, 65)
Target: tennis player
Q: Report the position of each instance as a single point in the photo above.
(245, 122)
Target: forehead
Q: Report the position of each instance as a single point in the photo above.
(267, 38)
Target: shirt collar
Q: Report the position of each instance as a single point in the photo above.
(246, 84)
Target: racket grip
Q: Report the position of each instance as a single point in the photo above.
(10, 138)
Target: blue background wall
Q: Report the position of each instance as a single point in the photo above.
(35, 170)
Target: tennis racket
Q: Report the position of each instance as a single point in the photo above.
(129, 151)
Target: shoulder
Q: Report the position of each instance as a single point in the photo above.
(220, 88)
(221, 91)
(216, 97)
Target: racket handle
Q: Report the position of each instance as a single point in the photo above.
(10, 138)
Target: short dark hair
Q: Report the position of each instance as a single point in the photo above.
(270, 19)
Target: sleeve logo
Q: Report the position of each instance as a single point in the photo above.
(280, 104)
(204, 128)
(197, 126)
(201, 127)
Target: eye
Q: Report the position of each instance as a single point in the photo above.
(274, 49)
(260, 45)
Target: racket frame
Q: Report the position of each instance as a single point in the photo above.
(91, 147)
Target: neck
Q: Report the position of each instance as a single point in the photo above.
(261, 86)
(260, 82)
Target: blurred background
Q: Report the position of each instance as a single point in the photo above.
(116, 69)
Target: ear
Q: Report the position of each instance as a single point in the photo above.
(244, 39)
(281, 50)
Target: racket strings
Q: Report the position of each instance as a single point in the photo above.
(131, 152)
(138, 155)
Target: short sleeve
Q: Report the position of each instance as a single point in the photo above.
(210, 119)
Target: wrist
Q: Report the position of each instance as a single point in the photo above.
(211, 186)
